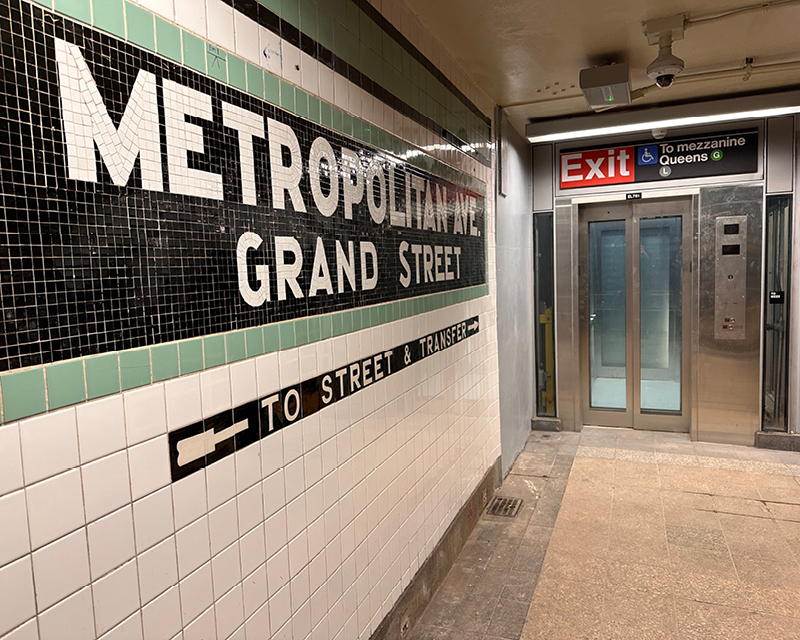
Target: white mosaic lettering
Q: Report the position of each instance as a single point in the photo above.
(353, 192)
(257, 297)
(248, 125)
(368, 282)
(321, 150)
(287, 273)
(345, 266)
(87, 122)
(182, 137)
(376, 211)
(285, 178)
(320, 273)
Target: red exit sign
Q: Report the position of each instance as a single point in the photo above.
(596, 168)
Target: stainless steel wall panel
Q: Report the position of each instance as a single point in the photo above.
(780, 147)
(543, 177)
(566, 276)
(515, 310)
(728, 384)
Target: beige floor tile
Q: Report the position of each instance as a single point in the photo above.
(594, 498)
(740, 506)
(657, 579)
(782, 511)
(790, 532)
(747, 525)
(781, 602)
(771, 481)
(690, 509)
(768, 547)
(713, 462)
(628, 473)
(679, 478)
(637, 615)
(568, 540)
(676, 459)
(593, 470)
(625, 523)
(601, 452)
(568, 566)
(687, 560)
(712, 589)
(788, 495)
(643, 454)
(767, 574)
(732, 593)
(696, 538)
(767, 627)
(726, 482)
(777, 468)
(702, 621)
(564, 610)
(637, 496)
(651, 550)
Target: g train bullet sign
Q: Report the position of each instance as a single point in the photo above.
(692, 157)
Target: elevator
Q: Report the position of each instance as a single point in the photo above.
(634, 275)
(669, 295)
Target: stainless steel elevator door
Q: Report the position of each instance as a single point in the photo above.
(634, 291)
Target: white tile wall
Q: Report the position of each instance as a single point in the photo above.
(16, 587)
(10, 459)
(106, 485)
(71, 618)
(60, 569)
(55, 507)
(313, 532)
(49, 445)
(15, 540)
(145, 413)
(111, 542)
(101, 428)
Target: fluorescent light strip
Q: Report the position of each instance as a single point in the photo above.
(663, 124)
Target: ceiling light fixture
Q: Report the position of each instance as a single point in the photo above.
(747, 108)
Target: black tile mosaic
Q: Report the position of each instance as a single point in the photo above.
(141, 203)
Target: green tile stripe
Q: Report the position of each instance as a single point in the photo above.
(193, 51)
(24, 393)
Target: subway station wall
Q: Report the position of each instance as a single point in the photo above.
(248, 369)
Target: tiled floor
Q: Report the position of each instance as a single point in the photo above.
(632, 535)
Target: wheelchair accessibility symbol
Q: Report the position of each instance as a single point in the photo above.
(648, 154)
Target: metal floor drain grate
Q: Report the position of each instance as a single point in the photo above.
(505, 507)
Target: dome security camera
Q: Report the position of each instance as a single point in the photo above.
(665, 81)
(666, 66)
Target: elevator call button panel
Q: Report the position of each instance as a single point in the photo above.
(730, 278)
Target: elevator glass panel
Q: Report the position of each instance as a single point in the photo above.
(776, 312)
(607, 310)
(545, 306)
(660, 313)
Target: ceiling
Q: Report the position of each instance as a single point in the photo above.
(526, 54)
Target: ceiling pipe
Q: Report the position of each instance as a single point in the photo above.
(746, 72)
(732, 12)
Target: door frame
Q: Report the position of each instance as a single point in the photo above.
(633, 212)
